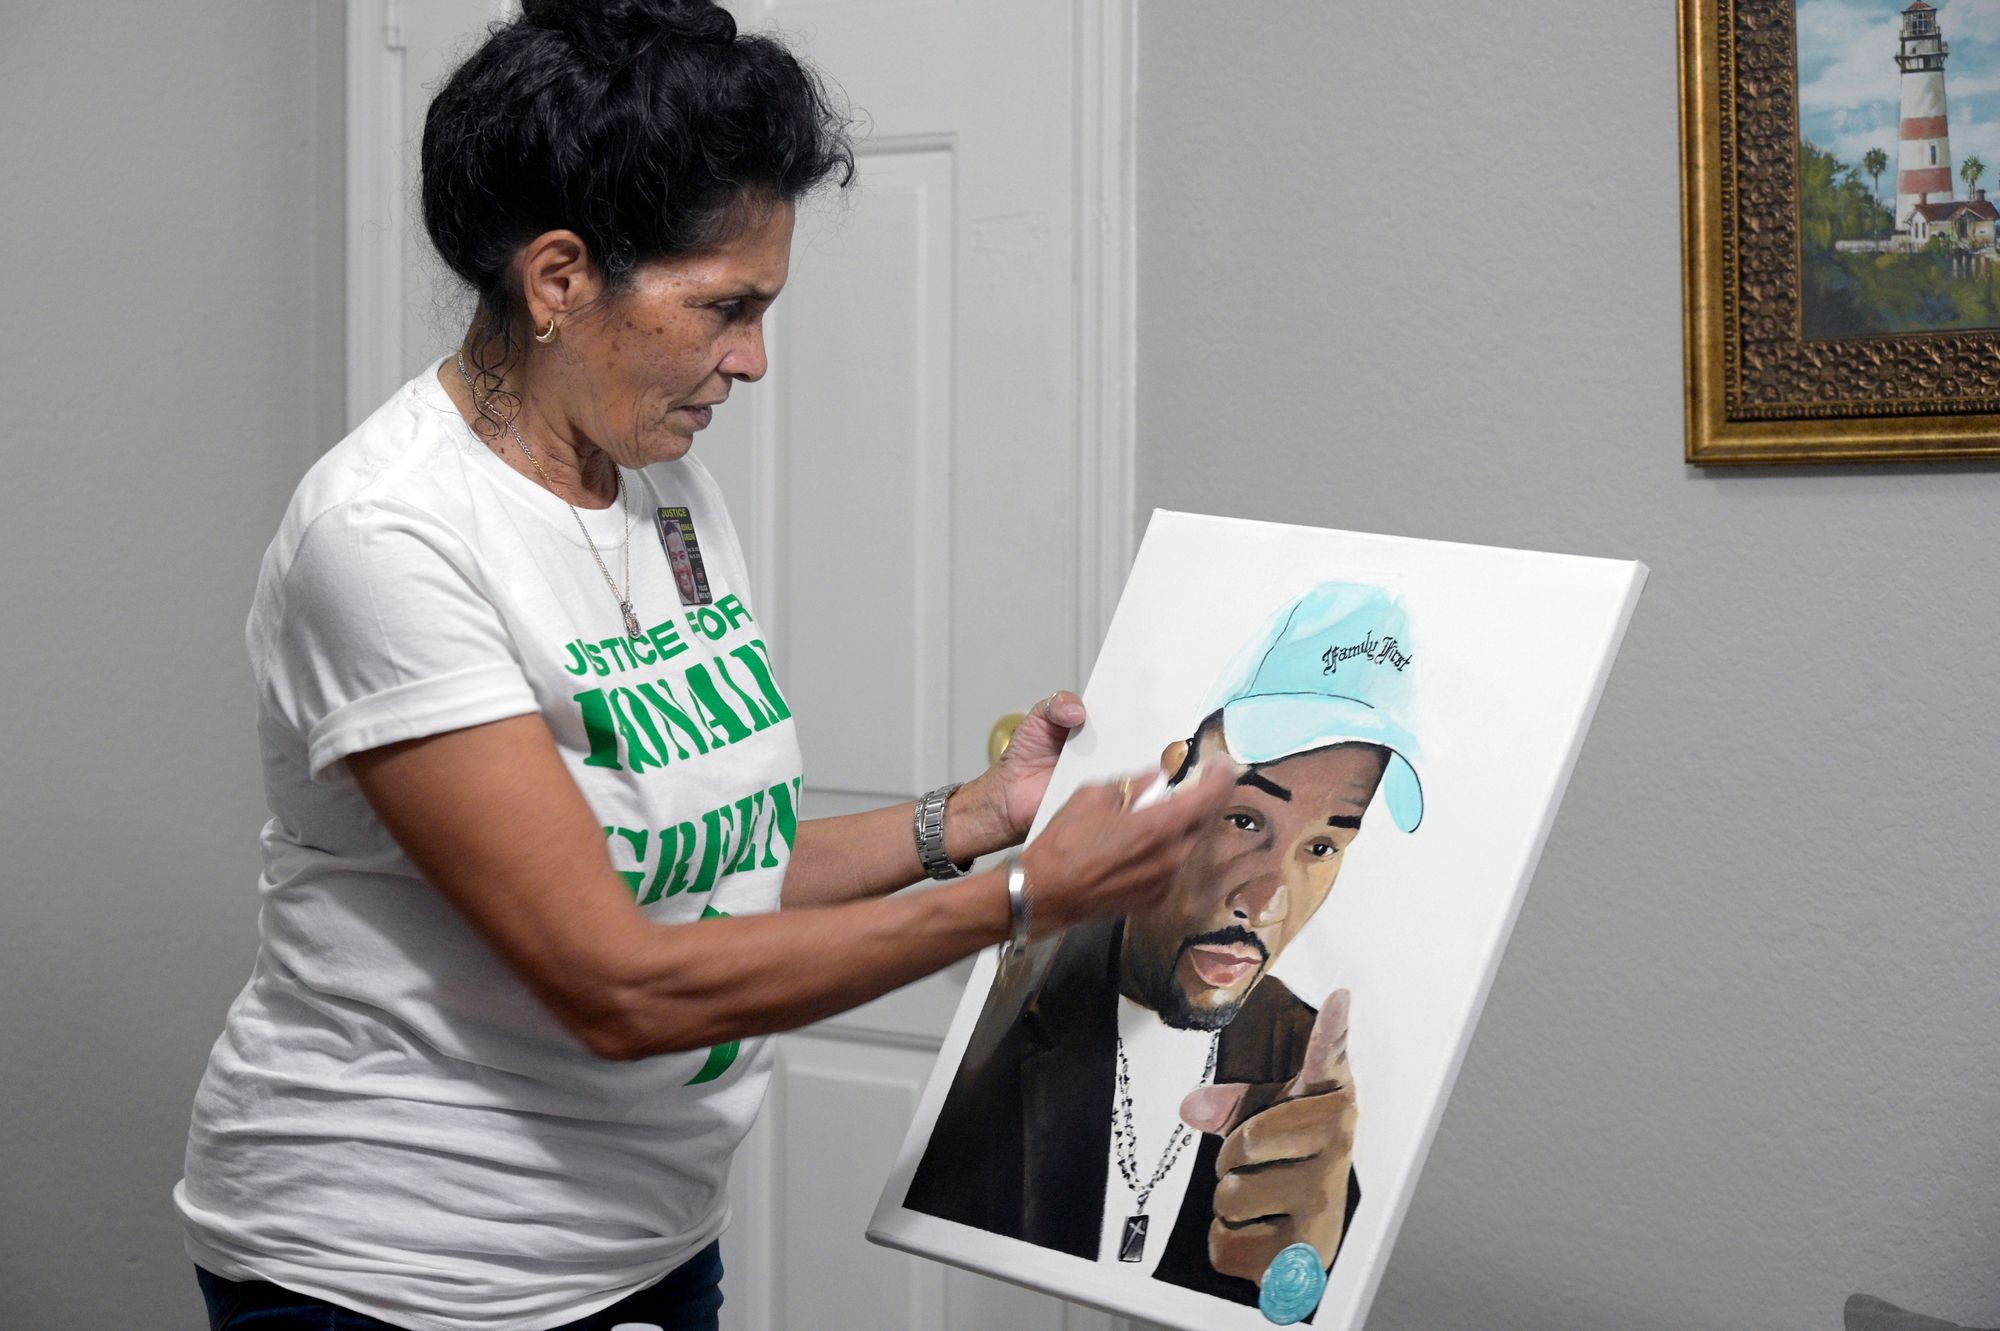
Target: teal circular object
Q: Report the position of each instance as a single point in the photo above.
(1292, 1285)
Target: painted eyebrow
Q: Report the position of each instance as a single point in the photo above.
(1339, 821)
(1265, 784)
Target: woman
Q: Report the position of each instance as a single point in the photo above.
(534, 885)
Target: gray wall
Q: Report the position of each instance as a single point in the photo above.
(1416, 270)
(170, 362)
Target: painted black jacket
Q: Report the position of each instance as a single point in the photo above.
(1021, 1143)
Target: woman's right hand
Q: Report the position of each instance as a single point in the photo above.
(1099, 858)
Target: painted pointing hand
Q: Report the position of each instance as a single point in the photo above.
(1286, 1151)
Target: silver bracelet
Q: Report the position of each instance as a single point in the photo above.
(930, 836)
(1018, 906)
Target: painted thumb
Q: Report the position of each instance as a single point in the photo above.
(1325, 1065)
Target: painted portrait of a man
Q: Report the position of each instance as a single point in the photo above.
(1147, 1092)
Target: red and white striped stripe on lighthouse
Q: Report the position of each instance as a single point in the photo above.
(1923, 164)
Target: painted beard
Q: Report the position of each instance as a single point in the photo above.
(1165, 996)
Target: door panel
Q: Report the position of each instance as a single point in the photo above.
(865, 412)
(833, 1123)
(860, 1096)
(907, 473)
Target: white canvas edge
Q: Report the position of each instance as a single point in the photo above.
(1069, 1277)
(1439, 1094)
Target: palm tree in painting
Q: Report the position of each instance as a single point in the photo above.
(1875, 162)
(1970, 170)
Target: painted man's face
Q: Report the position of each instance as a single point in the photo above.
(1251, 882)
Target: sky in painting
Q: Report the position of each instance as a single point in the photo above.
(1849, 87)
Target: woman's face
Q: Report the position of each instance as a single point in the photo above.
(644, 370)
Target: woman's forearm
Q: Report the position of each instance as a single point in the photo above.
(686, 986)
(863, 855)
(690, 986)
(491, 818)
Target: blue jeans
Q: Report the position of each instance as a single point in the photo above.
(689, 1298)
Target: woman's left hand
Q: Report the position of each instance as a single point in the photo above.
(1013, 787)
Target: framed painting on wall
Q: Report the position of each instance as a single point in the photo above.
(1841, 256)
(1211, 1113)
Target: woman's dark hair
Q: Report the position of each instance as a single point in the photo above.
(651, 128)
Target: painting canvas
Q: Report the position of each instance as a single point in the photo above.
(1841, 299)
(1899, 112)
(1211, 1113)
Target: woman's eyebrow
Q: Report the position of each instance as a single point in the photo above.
(697, 300)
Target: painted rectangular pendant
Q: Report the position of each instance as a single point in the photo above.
(684, 555)
(1132, 1240)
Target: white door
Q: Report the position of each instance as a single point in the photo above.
(909, 464)
(929, 502)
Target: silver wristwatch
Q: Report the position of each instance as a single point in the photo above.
(930, 836)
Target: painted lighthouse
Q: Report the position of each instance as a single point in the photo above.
(1923, 166)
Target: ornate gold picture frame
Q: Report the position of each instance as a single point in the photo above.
(1860, 333)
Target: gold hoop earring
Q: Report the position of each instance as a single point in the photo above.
(546, 335)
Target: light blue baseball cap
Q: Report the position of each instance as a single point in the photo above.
(1333, 667)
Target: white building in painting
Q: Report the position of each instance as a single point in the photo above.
(1969, 222)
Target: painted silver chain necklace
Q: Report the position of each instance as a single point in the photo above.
(624, 598)
(1132, 1238)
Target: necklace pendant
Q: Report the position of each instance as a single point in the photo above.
(632, 629)
(1132, 1239)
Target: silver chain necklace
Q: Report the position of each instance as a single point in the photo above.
(623, 598)
(1132, 1238)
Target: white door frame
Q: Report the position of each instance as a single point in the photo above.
(376, 220)
(380, 220)
(1106, 238)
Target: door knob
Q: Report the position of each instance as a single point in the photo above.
(1002, 735)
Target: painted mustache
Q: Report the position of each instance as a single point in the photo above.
(1224, 937)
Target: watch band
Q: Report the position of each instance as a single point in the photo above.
(930, 836)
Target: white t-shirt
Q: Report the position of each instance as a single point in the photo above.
(390, 1120)
(1165, 1064)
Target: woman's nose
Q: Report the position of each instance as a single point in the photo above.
(747, 360)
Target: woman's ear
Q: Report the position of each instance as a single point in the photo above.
(1173, 758)
(558, 278)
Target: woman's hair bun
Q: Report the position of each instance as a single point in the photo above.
(650, 128)
(616, 30)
